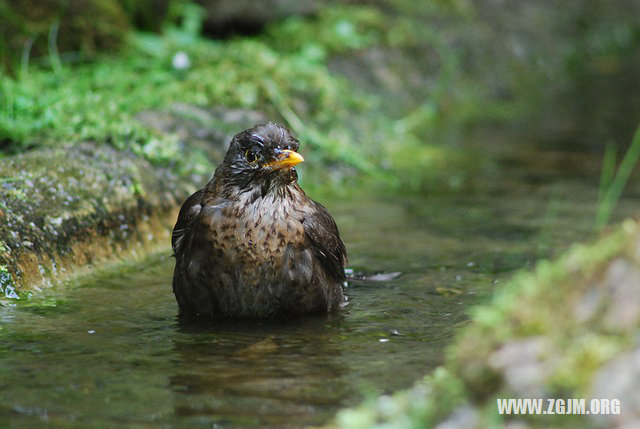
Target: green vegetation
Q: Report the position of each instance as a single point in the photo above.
(398, 138)
(48, 306)
(428, 402)
(613, 182)
(52, 31)
(548, 320)
(98, 101)
(284, 72)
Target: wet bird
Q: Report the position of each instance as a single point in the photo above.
(251, 243)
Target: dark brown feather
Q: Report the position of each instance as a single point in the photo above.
(251, 243)
(323, 236)
(188, 212)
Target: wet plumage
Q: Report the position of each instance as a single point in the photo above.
(251, 243)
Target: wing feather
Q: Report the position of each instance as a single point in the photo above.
(322, 233)
(188, 213)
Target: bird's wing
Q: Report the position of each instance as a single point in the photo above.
(322, 233)
(188, 212)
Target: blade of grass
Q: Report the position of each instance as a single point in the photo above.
(608, 169)
(614, 190)
(54, 56)
(26, 54)
(545, 237)
(608, 172)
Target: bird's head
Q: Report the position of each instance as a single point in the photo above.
(262, 155)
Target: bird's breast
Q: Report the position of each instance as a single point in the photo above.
(255, 231)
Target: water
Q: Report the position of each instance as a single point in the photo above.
(109, 350)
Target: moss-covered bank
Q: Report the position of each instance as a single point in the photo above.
(66, 207)
(568, 329)
(71, 205)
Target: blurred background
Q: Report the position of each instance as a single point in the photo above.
(378, 87)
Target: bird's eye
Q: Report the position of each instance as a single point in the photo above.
(250, 156)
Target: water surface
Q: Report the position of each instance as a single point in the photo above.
(109, 349)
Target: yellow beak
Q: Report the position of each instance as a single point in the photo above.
(287, 159)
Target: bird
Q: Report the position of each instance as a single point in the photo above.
(251, 243)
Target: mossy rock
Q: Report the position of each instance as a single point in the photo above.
(68, 206)
(77, 204)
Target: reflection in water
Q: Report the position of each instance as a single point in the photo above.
(259, 371)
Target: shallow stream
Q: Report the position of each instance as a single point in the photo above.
(109, 349)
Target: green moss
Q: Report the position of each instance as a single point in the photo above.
(428, 401)
(17, 194)
(584, 355)
(50, 307)
(535, 304)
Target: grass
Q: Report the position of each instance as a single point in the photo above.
(613, 181)
(284, 72)
(98, 101)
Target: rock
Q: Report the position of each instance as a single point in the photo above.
(391, 73)
(208, 129)
(585, 308)
(619, 379)
(225, 17)
(463, 417)
(77, 204)
(90, 206)
(524, 366)
(622, 281)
